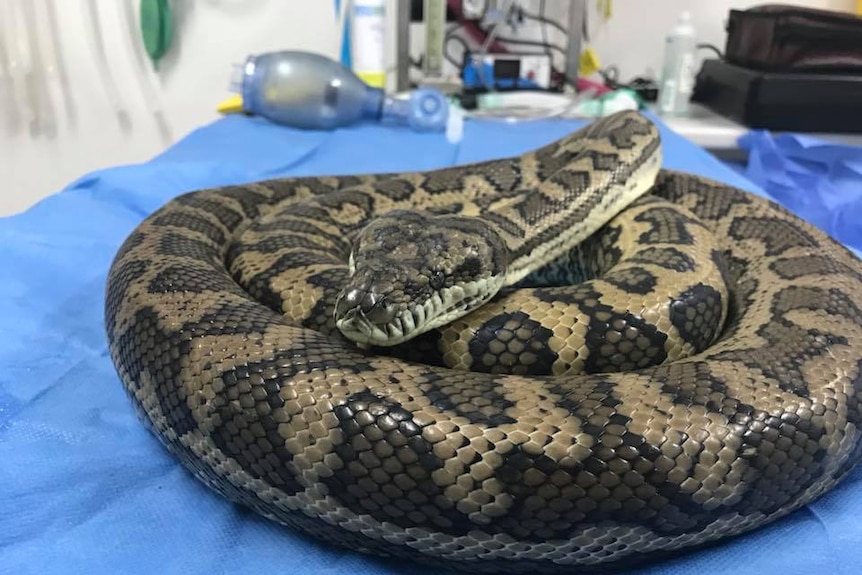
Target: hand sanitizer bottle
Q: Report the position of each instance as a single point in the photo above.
(677, 79)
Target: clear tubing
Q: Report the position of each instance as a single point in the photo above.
(145, 81)
(98, 46)
(7, 81)
(20, 67)
(46, 118)
(56, 66)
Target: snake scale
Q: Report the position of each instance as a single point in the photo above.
(701, 379)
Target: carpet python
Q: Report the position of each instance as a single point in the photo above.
(656, 360)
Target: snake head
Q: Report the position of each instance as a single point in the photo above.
(411, 272)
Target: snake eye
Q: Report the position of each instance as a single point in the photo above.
(437, 280)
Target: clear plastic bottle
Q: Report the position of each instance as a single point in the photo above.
(310, 91)
(677, 79)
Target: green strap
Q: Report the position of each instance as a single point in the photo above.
(156, 28)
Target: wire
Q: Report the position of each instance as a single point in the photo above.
(521, 42)
(645, 87)
(544, 27)
(450, 35)
(540, 17)
(611, 75)
(711, 48)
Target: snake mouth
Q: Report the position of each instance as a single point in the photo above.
(442, 307)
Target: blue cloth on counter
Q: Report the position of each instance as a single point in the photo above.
(815, 178)
(85, 489)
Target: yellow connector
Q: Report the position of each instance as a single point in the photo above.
(589, 63)
(232, 105)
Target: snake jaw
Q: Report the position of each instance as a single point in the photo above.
(441, 308)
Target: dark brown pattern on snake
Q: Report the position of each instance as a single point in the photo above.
(492, 472)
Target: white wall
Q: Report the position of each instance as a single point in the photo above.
(193, 78)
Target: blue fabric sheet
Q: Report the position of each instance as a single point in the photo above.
(85, 489)
(819, 179)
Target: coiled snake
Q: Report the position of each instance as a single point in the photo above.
(685, 391)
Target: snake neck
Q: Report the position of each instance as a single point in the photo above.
(610, 165)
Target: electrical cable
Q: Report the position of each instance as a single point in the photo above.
(540, 17)
(711, 48)
(450, 35)
(524, 42)
(646, 88)
(543, 27)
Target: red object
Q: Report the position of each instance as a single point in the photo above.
(472, 29)
(582, 85)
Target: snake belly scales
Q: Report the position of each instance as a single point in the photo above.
(685, 415)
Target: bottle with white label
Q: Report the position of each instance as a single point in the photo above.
(369, 45)
(678, 73)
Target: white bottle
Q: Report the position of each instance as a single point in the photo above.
(369, 44)
(677, 79)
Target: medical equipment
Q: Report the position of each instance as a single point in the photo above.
(310, 91)
(502, 72)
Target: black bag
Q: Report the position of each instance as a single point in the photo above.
(782, 38)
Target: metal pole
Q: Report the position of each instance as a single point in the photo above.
(402, 46)
(577, 18)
